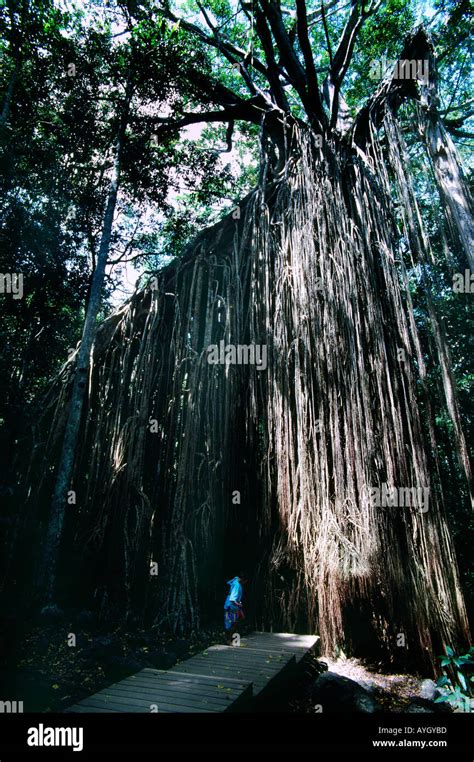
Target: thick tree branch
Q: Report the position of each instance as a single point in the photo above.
(285, 48)
(314, 17)
(450, 108)
(305, 45)
(272, 67)
(460, 133)
(456, 123)
(345, 49)
(389, 95)
(326, 34)
(289, 59)
(341, 58)
(216, 91)
(250, 110)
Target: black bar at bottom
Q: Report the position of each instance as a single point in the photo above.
(422, 736)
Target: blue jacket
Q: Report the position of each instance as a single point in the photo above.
(235, 593)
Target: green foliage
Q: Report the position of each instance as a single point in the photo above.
(457, 683)
(380, 38)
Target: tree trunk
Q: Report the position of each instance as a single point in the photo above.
(8, 95)
(68, 452)
(447, 170)
(451, 183)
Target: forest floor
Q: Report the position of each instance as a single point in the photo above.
(386, 692)
(48, 672)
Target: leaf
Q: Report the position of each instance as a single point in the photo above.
(449, 651)
(462, 680)
(55, 686)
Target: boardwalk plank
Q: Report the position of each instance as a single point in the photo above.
(211, 688)
(253, 665)
(300, 645)
(220, 679)
(156, 696)
(128, 704)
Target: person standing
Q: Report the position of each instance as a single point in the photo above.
(233, 607)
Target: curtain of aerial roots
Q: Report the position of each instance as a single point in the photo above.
(309, 271)
(342, 412)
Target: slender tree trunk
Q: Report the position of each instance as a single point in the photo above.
(66, 462)
(8, 95)
(451, 183)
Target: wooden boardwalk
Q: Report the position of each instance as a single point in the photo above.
(220, 679)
